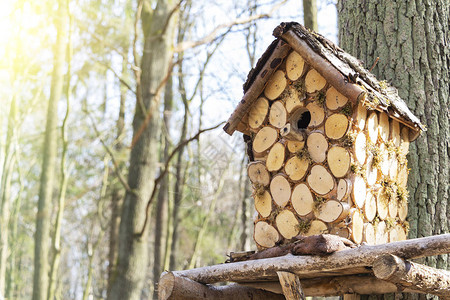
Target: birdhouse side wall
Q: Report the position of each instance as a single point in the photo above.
(320, 164)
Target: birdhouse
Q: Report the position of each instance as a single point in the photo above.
(326, 143)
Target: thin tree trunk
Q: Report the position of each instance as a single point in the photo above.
(411, 40)
(116, 194)
(161, 204)
(244, 218)
(41, 248)
(8, 166)
(133, 247)
(310, 14)
(63, 181)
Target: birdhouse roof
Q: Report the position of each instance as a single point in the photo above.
(342, 70)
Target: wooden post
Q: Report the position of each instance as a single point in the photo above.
(292, 289)
(412, 275)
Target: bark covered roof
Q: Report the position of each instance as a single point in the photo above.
(376, 94)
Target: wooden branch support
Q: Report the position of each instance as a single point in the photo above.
(412, 275)
(345, 262)
(289, 133)
(290, 284)
(175, 287)
(337, 285)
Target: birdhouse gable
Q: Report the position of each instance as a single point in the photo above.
(327, 144)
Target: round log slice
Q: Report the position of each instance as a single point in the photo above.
(263, 204)
(258, 174)
(338, 159)
(280, 189)
(265, 234)
(334, 99)
(276, 156)
(296, 168)
(264, 139)
(314, 81)
(295, 65)
(278, 114)
(302, 200)
(276, 85)
(317, 146)
(336, 126)
(287, 224)
(320, 180)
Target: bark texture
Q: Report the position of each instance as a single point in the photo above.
(42, 235)
(411, 38)
(133, 248)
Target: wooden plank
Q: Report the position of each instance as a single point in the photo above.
(172, 287)
(290, 284)
(412, 275)
(360, 257)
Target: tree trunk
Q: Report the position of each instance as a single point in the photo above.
(116, 194)
(133, 247)
(310, 14)
(411, 40)
(163, 194)
(42, 235)
(5, 195)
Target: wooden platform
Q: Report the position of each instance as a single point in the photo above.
(363, 270)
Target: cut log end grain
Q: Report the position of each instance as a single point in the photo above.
(278, 114)
(293, 99)
(393, 168)
(276, 156)
(287, 224)
(359, 147)
(369, 234)
(296, 168)
(276, 85)
(343, 189)
(314, 81)
(341, 229)
(360, 116)
(383, 128)
(393, 235)
(401, 233)
(320, 180)
(371, 170)
(295, 146)
(317, 227)
(402, 210)
(258, 174)
(317, 146)
(263, 204)
(265, 234)
(334, 99)
(302, 200)
(317, 114)
(280, 190)
(357, 226)
(332, 211)
(264, 139)
(402, 177)
(372, 127)
(258, 113)
(395, 132)
(392, 208)
(404, 143)
(338, 159)
(359, 192)
(370, 207)
(382, 204)
(381, 233)
(384, 164)
(295, 65)
(336, 126)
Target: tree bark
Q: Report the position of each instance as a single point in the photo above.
(411, 40)
(42, 235)
(5, 195)
(310, 14)
(163, 193)
(133, 247)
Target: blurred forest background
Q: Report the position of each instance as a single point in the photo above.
(113, 163)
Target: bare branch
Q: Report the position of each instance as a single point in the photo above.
(111, 154)
(212, 35)
(126, 84)
(165, 170)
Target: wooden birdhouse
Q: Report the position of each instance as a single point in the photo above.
(327, 144)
